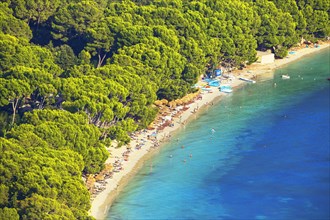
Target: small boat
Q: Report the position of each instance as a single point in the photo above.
(206, 89)
(214, 83)
(226, 88)
(285, 77)
(228, 76)
(329, 78)
(247, 80)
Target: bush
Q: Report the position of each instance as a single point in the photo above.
(281, 52)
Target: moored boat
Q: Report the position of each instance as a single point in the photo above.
(285, 76)
(247, 80)
(206, 89)
(214, 83)
(226, 88)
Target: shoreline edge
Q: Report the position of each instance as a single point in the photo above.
(102, 202)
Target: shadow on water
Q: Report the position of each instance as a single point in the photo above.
(244, 134)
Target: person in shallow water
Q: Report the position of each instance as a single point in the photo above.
(212, 130)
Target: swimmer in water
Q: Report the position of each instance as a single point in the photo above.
(212, 130)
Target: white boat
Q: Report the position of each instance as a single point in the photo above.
(206, 89)
(285, 77)
(247, 80)
(226, 88)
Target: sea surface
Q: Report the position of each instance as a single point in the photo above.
(267, 159)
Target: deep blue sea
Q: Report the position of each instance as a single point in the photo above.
(268, 159)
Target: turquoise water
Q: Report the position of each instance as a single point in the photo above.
(268, 159)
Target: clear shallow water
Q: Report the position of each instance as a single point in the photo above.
(268, 159)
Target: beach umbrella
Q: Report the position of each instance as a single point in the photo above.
(151, 127)
(164, 101)
(166, 109)
(193, 95)
(90, 181)
(185, 98)
(178, 102)
(172, 104)
(99, 177)
(158, 102)
(108, 167)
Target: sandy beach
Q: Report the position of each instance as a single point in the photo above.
(146, 144)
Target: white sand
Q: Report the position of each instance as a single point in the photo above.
(102, 202)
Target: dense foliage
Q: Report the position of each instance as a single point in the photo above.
(76, 74)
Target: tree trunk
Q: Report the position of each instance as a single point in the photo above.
(41, 103)
(29, 19)
(101, 59)
(104, 135)
(14, 106)
(39, 17)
